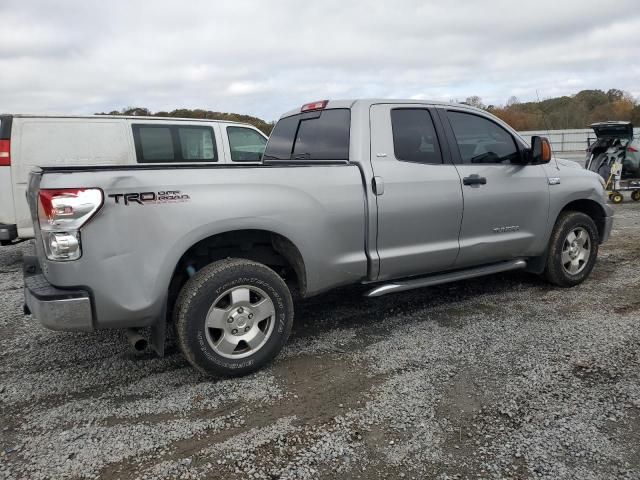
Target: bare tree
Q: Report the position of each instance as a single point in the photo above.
(474, 101)
(513, 100)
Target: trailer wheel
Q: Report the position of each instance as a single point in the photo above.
(635, 195)
(232, 317)
(573, 249)
(616, 197)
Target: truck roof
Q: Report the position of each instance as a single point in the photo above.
(118, 117)
(350, 103)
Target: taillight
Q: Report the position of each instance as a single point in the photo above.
(5, 153)
(61, 214)
(632, 149)
(308, 107)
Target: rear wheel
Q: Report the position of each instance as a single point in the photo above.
(616, 197)
(635, 195)
(573, 249)
(232, 317)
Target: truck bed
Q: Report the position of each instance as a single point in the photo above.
(153, 214)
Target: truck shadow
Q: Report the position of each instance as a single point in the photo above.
(348, 308)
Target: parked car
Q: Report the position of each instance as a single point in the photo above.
(615, 157)
(29, 140)
(393, 194)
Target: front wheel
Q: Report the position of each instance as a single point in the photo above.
(232, 317)
(573, 249)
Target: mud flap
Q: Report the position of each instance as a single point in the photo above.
(159, 332)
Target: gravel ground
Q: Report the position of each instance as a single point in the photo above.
(501, 377)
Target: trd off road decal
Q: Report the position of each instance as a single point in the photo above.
(145, 198)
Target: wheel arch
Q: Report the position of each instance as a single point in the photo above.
(589, 207)
(263, 246)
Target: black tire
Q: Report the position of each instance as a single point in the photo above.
(555, 271)
(616, 197)
(196, 299)
(635, 195)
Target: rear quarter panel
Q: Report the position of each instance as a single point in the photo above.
(130, 251)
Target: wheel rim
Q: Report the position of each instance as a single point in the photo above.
(240, 321)
(575, 251)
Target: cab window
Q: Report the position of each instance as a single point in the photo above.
(482, 141)
(414, 136)
(246, 144)
(315, 135)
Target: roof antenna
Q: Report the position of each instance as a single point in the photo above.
(546, 124)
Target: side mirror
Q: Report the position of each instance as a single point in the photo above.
(540, 150)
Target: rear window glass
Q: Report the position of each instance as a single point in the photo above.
(311, 136)
(174, 143)
(246, 145)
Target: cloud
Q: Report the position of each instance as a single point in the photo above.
(264, 58)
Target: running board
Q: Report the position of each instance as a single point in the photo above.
(438, 279)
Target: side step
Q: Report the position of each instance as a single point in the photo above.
(438, 279)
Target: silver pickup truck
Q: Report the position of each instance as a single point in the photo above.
(398, 194)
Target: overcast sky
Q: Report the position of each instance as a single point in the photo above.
(265, 57)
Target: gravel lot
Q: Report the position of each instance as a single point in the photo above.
(502, 377)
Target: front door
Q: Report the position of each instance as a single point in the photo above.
(418, 192)
(506, 202)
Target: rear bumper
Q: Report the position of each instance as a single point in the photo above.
(8, 232)
(608, 225)
(55, 308)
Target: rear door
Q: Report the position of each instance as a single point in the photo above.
(506, 203)
(418, 191)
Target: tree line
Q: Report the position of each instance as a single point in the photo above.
(559, 113)
(262, 125)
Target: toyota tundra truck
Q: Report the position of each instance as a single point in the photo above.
(394, 194)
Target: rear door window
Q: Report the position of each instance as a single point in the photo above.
(246, 144)
(414, 136)
(174, 143)
(320, 135)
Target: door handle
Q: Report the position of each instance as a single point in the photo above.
(377, 184)
(474, 180)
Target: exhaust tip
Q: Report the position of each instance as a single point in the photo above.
(137, 341)
(140, 345)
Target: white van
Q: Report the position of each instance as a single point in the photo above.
(27, 141)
